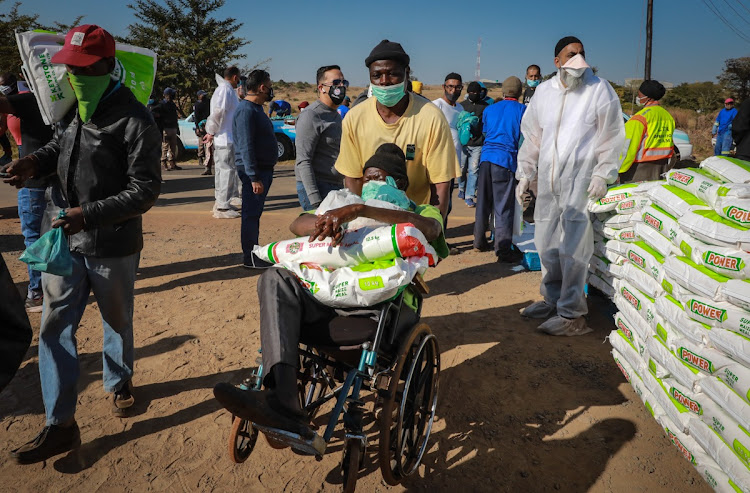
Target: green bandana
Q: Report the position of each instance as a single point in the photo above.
(89, 90)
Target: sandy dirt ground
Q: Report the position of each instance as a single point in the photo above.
(518, 411)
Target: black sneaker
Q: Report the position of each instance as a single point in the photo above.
(34, 305)
(53, 440)
(256, 263)
(122, 400)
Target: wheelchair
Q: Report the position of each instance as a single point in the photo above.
(396, 358)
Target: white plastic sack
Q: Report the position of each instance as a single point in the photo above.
(711, 228)
(641, 280)
(729, 169)
(696, 182)
(738, 293)
(638, 300)
(614, 196)
(647, 259)
(348, 288)
(673, 312)
(705, 359)
(694, 277)
(718, 314)
(674, 367)
(628, 371)
(602, 283)
(727, 261)
(633, 204)
(618, 221)
(730, 401)
(656, 240)
(135, 68)
(357, 247)
(618, 247)
(726, 427)
(675, 411)
(623, 346)
(636, 331)
(675, 201)
(735, 345)
(724, 456)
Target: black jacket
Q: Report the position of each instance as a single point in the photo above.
(110, 168)
(741, 131)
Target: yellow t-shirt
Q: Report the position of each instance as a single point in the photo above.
(422, 133)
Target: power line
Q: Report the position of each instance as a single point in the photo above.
(743, 6)
(740, 16)
(710, 5)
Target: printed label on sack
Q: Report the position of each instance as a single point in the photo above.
(686, 401)
(370, 283)
(741, 451)
(613, 198)
(681, 178)
(631, 298)
(625, 329)
(627, 235)
(695, 360)
(49, 75)
(636, 259)
(622, 369)
(294, 247)
(688, 455)
(723, 261)
(653, 221)
(627, 205)
(740, 215)
(707, 311)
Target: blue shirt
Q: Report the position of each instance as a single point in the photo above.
(725, 119)
(281, 107)
(502, 132)
(254, 140)
(343, 110)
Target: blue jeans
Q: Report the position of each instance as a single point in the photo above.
(31, 205)
(323, 187)
(252, 209)
(723, 143)
(467, 183)
(112, 281)
(497, 187)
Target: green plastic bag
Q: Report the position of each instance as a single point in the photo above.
(50, 253)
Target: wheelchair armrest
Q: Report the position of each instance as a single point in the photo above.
(420, 285)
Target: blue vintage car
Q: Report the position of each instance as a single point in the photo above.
(283, 127)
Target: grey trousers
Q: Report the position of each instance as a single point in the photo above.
(285, 306)
(650, 171)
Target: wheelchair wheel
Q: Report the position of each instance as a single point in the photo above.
(409, 408)
(350, 464)
(242, 440)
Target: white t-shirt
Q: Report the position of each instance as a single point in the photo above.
(451, 114)
(224, 102)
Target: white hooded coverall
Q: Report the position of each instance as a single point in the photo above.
(569, 137)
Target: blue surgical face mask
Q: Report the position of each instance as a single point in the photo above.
(386, 191)
(388, 96)
(533, 83)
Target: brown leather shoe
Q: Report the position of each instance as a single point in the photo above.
(123, 400)
(53, 440)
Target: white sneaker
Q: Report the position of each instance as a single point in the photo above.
(226, 214)
(235, 202)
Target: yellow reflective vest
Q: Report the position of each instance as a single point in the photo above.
(649, 136)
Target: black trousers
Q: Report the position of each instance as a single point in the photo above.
(495, 193)
(15, 330)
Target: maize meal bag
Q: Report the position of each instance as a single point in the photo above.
(675, 201)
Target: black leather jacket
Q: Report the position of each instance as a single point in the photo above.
(110, 168)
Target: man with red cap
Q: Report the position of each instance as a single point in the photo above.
(105, 152)
(722, 128)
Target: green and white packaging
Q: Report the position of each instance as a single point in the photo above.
(711, 228)
(703, 358)
(618, 221)
(624, 234)
(618, 247)
(636, 331)
(673, 312)
(641, 280)
(647, 259)
(673, 409)
(738, 293)
(697, 182)
(721, 452)
(722, 423)
(656, 240)
(614, 196)
(629, 295)
(718, 314)
(672, 366)
(728, 261)
(661, 221)
(603, 283)
(694, 277)
(735, 345)
(729, 169)
(675, 201)
(633, 204)
(135, 68)
(631, 374)
(730, 401)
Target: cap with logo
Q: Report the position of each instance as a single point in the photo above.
(85, 45)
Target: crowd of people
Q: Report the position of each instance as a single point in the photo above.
(559, 143)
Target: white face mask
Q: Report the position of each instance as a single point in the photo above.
(576, 66)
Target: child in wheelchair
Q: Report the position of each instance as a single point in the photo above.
(287, 308)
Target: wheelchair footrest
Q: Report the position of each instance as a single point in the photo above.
(314, 446)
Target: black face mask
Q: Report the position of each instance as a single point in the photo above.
(475, 97)
(337, 94)
(452, 97)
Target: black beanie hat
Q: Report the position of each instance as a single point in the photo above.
(652, 89)
(391, 159)
(388, 50)
(474, 87)
(565, 42)
(454, 75)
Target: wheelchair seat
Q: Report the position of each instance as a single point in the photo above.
(341, 332)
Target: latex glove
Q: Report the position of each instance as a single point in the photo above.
(521, 188)
(597, 188)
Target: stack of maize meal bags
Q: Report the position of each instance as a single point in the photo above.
(678, 269)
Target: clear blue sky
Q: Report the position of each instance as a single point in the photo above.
(690, 43)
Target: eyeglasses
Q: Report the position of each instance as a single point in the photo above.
(338, 82)
(458, 87)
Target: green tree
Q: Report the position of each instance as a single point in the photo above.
(13, 20)
(699, 96)
(191, 45)
(736, 77)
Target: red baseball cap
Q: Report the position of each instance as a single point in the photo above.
(728, 100)
(85, 45)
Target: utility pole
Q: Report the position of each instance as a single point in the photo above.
(649, 34)
(477, 72)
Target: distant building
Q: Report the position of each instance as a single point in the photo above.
(636, 83)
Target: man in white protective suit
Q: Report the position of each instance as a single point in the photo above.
(573, 135)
